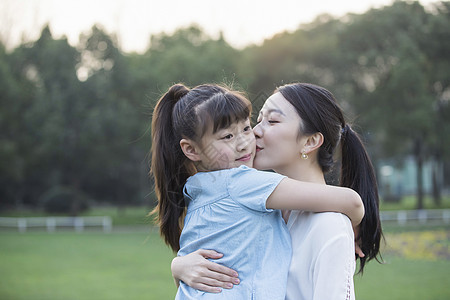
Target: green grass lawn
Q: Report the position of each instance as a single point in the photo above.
(416, 266)
(84, 266)
(404, 279)
(93, 265)
(130, 216)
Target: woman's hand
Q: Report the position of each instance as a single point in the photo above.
(199, 273)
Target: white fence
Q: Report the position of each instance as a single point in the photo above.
(402, 217)
(51, 223)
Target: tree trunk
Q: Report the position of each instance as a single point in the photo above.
(437, 179)
(418, 153)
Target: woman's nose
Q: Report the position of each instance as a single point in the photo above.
(257, 131)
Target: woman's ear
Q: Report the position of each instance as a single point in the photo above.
(189, 149)
(313, 142)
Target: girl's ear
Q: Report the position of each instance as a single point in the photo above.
(189, 149)
(314, 142)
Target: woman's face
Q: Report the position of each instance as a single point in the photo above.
(278, 144)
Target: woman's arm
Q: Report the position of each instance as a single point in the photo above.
(198, 272)
(298, 195)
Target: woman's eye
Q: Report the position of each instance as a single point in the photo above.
(273, 121)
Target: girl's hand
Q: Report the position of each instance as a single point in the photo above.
(358, 250)
(199, 273)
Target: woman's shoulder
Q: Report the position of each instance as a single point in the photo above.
(325, 224)
(333, 221)
(332, 226)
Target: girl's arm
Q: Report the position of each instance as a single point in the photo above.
(298, 195)
(199, 273)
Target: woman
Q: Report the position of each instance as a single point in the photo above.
(299, 129)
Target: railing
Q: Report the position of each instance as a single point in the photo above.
(402, 217)
(51, 223)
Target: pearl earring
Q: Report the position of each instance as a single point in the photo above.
(304, 155)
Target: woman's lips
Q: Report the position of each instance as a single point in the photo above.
(245, 157)
(258, 148)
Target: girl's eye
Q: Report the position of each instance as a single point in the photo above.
(227, 137)
(247, 128)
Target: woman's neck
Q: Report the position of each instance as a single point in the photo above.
(307, 171)
(304, 171)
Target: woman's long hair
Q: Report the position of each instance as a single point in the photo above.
(319, 112)
(185, 113)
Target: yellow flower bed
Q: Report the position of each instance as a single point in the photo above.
(427, 245)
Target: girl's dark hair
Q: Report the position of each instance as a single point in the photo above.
(319, 112)
(185, 113)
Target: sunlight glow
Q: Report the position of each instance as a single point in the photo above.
(134, 21)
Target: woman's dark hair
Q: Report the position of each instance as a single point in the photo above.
(185, 113)
(319, 112)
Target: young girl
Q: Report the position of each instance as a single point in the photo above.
(202, 157)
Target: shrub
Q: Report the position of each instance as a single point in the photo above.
(64, 200)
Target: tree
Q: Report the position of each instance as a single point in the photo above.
(189, 56)
(436, 44)
(390, 74)
(113, 122)
(15, 145)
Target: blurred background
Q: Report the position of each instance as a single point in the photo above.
(79, 80)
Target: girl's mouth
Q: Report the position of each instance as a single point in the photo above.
(245, 157)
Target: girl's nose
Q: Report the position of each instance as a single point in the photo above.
(244, 141)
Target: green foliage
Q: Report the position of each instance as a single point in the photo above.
(64, 200)
(191, 57)
(79, 116)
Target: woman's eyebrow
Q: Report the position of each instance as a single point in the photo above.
(275, 110)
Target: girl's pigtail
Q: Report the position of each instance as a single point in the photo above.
(357, 173)
(169, 167)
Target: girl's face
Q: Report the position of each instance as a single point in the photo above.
(278, 144)
(227, 148)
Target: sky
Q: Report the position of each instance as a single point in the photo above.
(242, 22)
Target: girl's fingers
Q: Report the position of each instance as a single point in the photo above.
(358, 250)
